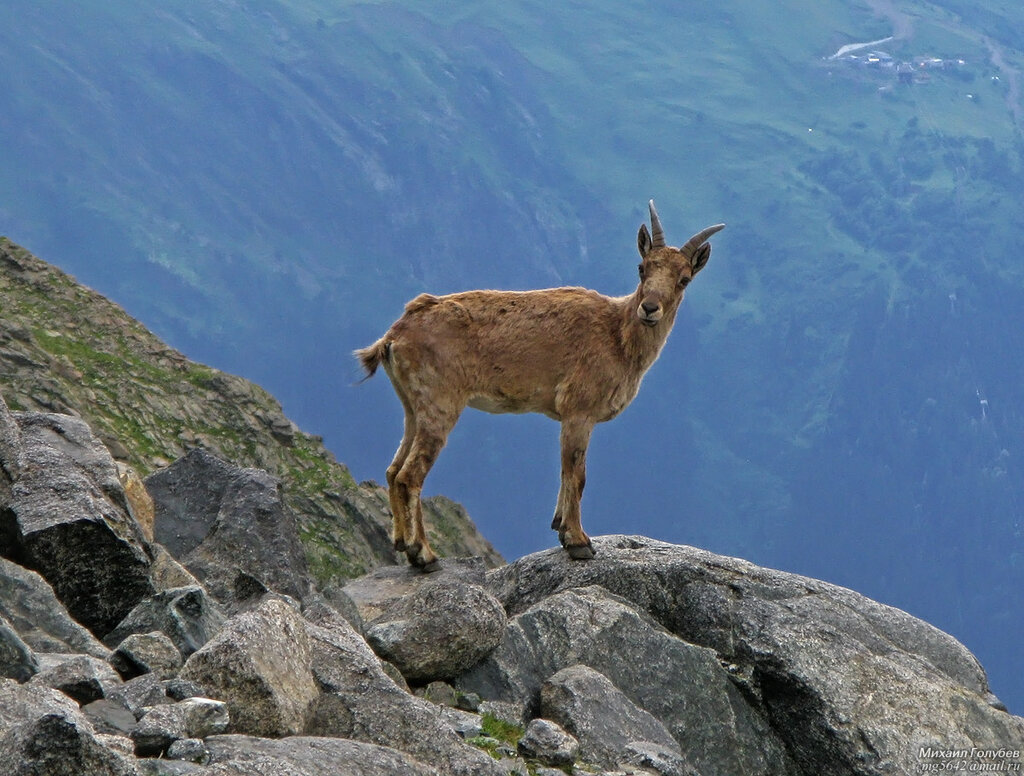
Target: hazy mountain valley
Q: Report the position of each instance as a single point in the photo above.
(265, 183)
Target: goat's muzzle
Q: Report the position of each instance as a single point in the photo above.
(649, 313)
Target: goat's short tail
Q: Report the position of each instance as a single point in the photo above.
(372, 356)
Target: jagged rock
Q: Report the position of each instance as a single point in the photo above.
(167, 573)
(380, 591)
(160, 767)
(140, 503)
(665, 761)
(66, 517)
(359, 701)
(42, 733)
(82, 678)
(17, 661)
(439, 631)
(143, 653)
(110, 716)
(29, 605)
(804, 650)
(599, 715)
(139, 693)
(186, 615)
(162, 725)
(682, 685)
(179, 689)
(237, 755)
(549, 743)
(260, 665)
(229, 526)
(191, 749)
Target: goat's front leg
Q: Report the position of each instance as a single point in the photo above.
(575, 437)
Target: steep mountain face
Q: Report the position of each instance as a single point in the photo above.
(265, 183)
(66, 349)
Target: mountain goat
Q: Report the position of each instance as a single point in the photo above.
(573, 354)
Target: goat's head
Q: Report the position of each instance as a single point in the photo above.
(665, 271)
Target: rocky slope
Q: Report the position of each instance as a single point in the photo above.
(209, 651)
(66, 349)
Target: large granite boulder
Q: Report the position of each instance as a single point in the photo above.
(230, 527)
(63, 513)
(682, 685)
(602, 719)
(43, 733)
(440, 631)
(360, 701)
(237, 755)
(28, 604)
(849, 685)
(186, 615)
(260, 664)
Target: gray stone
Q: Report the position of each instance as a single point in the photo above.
(110, 716)
(179, 689)
(167, 573)
(237, 755)
(665, 761)
(66, 516)
(83, 678)
(229, 527)
(809, 653)
(143, 653)
(682, 685)
(29, 605)
(162, 725)
(190, 749)
(377, 593)
(359, 701)
(549, 743)
(160, 767)
(439, 631)
(17, 661)
(597, 713)
(187, 615)
(42, 733)
(139, 693)
(260, 665)
(440, 693)
(159, 727)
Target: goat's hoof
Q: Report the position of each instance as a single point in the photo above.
(399, 545)
(431, 567)
(581, 551)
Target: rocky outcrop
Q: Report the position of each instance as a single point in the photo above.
(844, 684)
(66, 517)
(230, 527)
(65, 349)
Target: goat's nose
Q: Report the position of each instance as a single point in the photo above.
(650, 307)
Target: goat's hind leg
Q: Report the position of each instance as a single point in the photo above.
(397, 494)
(427, 441)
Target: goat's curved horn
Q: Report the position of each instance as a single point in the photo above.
(700, 238)
(657, 233)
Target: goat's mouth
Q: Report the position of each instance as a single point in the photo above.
(649, 322)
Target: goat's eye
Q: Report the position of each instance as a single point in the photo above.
(640, 269)
(684, 281)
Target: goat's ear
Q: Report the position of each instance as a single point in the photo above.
(644, 241)
(700, 257)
